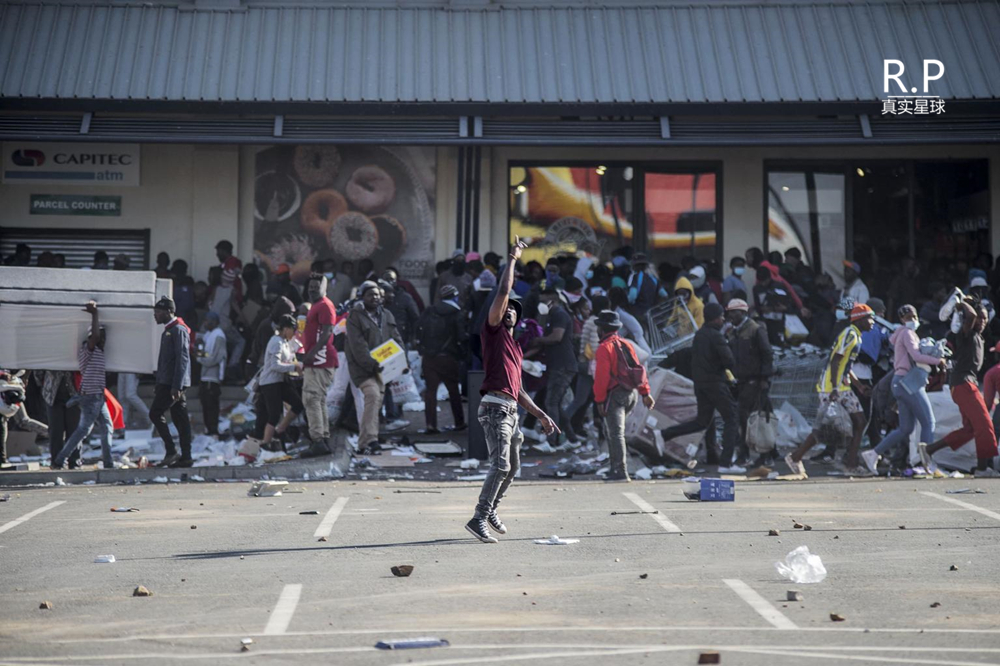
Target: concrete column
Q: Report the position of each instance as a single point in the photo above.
(214, 204)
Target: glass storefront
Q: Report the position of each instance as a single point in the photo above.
(665, 211)
(877, 212)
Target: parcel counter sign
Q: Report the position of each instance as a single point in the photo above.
(75, 204)
(72, 163)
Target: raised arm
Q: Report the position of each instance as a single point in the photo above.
(95, 326)
(506, 283)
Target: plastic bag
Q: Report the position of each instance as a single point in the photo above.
(404, 389)
(762, 431)
(833, 415)
(801, 566)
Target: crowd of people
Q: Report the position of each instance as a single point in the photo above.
(588, 323)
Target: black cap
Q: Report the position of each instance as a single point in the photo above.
(165, 303)
(609, 319)
(516, 304)
(713, 311)
(225, 245)
(287, 321)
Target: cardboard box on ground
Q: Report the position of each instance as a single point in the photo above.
(44, 323)
(675, 403)
(22, 443)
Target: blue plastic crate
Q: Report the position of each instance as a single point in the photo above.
(718, 490)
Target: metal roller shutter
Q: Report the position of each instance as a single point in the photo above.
(79, 245)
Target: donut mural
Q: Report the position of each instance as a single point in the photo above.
(346, 203)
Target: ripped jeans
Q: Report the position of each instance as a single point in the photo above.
(503, 440)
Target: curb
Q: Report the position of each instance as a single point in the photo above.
(328, 467)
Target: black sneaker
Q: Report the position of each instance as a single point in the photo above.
(478, 528)
(494, 520)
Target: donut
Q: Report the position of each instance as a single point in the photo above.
(391, 241)
(317, 166)
(353, 236)
(370, 189)
(320, 210)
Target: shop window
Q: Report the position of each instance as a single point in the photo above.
(596, 209)
(806, 210)
(951, 213)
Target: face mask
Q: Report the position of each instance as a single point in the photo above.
(590, 275)
(329, 276)
(619, 261)
(685, 297)
(913, 324)
(841, 315)
(543, 309)
(696, 282)
(572, 298)
(739, 271)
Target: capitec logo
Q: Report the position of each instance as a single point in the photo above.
(28, 158)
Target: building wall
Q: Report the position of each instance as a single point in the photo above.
(187, 198)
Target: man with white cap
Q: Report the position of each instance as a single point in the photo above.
(753, 367)
(853, 285)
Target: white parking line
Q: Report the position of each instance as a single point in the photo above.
(965, 505)
(330, 518)
(658, 517)
(281, 616)
(28, 516)
(760, 604)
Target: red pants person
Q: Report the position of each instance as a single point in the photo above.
(976, 421)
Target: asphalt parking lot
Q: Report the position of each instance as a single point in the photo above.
(224, 567)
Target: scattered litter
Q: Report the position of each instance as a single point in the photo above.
(793, 595)
(801, 566)
(554, 540)
(412, 643)
(798, 526)
(104, 559)
(59, 481)
(473, 477)
(45, 605)
(902, 527)
(123, 509)
(267, 488)
(957, 475)
(469, 463)
(836, 617)
(242, 557)
(630, 513)
(430, 492)
(774, 533)
(309, 513)
(194, 527)
(5, 498)
(402, 571)
(936, 604)
(759, 473)
(807, 528)
(247, 641)
(709, 658)
(953, 568)
(448, 448)
(643, 474)
(244, 648)
(141, 591)
(159, 479)
(960, 491)
(644, 576)
(321, 539)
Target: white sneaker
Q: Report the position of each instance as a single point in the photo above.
(925, 458)
(735, 469)
(871, 460)
(796, 467)
(534, 435)
(988, 473)
(397, 424)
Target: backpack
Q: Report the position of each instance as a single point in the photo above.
(435, 332)
(629, 374)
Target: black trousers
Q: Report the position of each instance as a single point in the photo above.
(446, 370)
(208, 394)
(712, 398)
(275, 396)
(163, 402)
(62, 422)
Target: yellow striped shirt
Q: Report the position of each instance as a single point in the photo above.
(847, 346)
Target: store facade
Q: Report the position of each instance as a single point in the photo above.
(397, 133)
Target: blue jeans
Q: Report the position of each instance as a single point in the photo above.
(913, 408)
(93, 412)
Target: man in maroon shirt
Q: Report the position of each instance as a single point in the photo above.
(320, 363)
(501, 394)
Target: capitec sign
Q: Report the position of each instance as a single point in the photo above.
(66, 163)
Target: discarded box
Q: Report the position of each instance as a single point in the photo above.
(711, 490)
